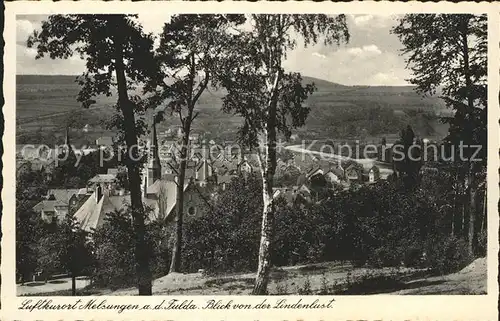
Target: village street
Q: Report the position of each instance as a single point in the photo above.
(38, 287)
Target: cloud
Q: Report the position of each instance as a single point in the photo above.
(371, 58)
(152, 22)
(361, 20)
(24, 28)
(382, 78)
(365, 51)
(317, 54)
(373, 21)
(27, 64)
(364, 65)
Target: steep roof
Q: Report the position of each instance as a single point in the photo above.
(337, 171)
(112, 171)
(48, 205)
(88, 215)
(63, 195)
(314, 171)
(92, 213)
(170, 190)
(103, 178)
(331, 176)
(104, 141)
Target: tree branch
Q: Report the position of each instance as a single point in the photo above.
(195, 115)
(202, 87)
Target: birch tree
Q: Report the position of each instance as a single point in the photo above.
(118, 56)
(448, 52)
(270, 100)
(190, 53)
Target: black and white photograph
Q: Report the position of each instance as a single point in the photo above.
(251, 154)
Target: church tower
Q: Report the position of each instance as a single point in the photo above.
(154, 170)
(68, 150)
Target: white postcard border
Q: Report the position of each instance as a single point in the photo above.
(376, 307)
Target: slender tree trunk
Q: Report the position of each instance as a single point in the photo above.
(455, 208)
(472, 214)
(470, 171)
(485, 216)
(453, 222)
(134, 177)
(73, 284)
(267, 228)
(175, 264)
(462, 222)
(267, 232)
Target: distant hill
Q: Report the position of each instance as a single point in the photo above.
(45, 101)
(45, 79)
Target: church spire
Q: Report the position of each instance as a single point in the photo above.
(67, 144)
(66, 139)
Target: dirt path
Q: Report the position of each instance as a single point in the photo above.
(40, 287)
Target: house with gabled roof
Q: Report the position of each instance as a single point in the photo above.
(313, 171)
(58, 203)
(245, 167)
(353, 173)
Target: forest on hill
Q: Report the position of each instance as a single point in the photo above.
(45, 102)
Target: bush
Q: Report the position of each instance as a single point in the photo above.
(385, 256)
(413, 256)
(114, 245)
(227, 238)
(447, 255)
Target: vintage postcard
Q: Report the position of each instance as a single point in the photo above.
(259, 161)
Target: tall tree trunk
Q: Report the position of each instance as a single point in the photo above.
(455, 208)
(134, 177)
(267, 232)
(267, 228)
(175, 263)
(472, 213)
(73, 284)
(471, 192)
(485, 216)
(453, 222)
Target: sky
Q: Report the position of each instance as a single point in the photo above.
(372, 56)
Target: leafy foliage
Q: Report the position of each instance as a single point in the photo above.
(190, 46)
(377, 225)
(64, 248)
(224, 239)
(119, 55)
(449, 51)
(269, 100)
(113, 243)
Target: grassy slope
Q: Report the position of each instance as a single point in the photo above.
(322, 278)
